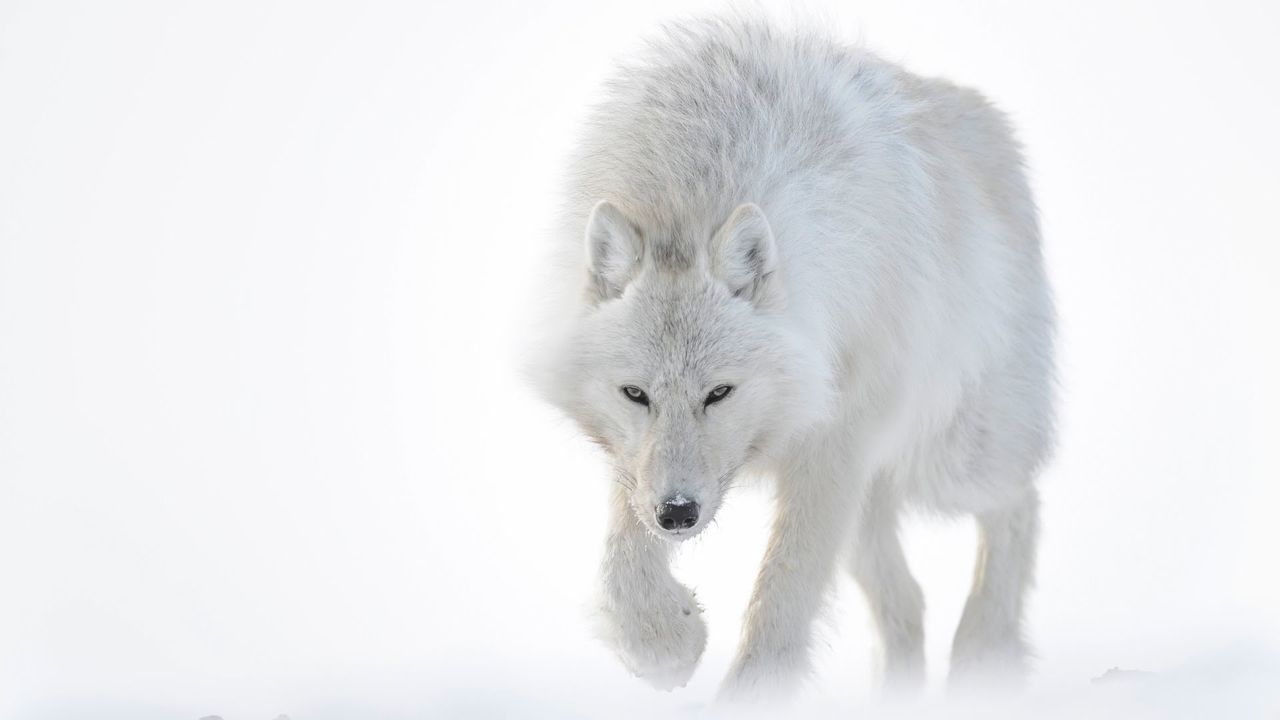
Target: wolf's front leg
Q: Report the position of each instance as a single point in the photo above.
(650, 620)
(816, 501)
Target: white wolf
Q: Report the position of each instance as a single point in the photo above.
(804, 262)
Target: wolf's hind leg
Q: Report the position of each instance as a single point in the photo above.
(897, 604)
(989, 645)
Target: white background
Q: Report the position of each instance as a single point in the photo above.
(264, 278)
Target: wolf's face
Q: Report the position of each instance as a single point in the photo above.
(681, 370)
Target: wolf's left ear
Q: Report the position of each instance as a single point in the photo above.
(743, 254)
(613, 251)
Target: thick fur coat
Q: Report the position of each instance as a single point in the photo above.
(784, 255)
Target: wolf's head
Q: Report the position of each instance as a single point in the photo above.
(683, 366)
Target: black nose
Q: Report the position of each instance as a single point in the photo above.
(678, 513)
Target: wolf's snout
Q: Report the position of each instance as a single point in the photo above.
(677, 513)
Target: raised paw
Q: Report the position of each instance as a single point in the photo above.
(658, 635)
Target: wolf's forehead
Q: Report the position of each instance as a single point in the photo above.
(687, 332)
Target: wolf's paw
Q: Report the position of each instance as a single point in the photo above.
(989, 656)
(753, 682)
(659, 635)
(993, 667)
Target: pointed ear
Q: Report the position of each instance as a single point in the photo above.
(613, 251)
(743, 254)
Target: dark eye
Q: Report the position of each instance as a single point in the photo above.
(635, 395)
(721, 392)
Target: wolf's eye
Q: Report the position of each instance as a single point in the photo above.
(635, 395)
(721, 392)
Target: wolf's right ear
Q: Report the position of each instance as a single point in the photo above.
(613, 251)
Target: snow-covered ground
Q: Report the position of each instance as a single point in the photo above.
(264, 269)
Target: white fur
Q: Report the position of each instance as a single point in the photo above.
(854, 249)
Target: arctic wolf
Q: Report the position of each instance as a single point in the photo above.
(787, 257)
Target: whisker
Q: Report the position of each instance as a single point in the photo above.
(624, 478)
(727, 480)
